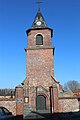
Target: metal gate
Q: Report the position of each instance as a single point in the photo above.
(41, 102)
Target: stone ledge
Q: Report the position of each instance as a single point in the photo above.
(7, 99)
(39, 47)
(69, 97)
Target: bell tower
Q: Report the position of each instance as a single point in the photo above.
(40, 63)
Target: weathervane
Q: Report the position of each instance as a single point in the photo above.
(39, 2)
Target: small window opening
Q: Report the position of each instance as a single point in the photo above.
(39, 39)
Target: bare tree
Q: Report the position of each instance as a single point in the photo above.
(71, 85)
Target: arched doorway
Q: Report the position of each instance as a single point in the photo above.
(41, 102)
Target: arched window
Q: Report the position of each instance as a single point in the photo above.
(39, 39)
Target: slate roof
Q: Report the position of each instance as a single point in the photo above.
(39, 21)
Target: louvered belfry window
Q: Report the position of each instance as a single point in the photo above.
(39, 39)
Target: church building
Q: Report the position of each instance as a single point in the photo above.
(40, 91)
(41, 87)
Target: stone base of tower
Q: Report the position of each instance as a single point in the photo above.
(38, 99)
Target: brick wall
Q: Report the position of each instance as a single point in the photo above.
(68, 104)
(39, 67)
(14, 105)
(46, 33)
(19, 100)
(10, 104)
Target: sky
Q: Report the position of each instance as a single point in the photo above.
(16, 16)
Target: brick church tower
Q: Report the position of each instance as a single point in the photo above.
(40, 67)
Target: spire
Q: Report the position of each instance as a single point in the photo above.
(39, 21)
(39, 2)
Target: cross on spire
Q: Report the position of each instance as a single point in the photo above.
(38, 2)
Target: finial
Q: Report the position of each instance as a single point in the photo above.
(38, 2)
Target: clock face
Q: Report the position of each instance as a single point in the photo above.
(39, 23)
